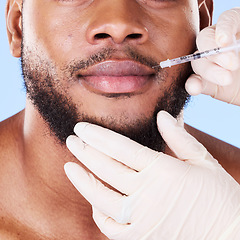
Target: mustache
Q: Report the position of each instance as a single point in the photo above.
(107, 54)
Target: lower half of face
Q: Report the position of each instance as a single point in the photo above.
(127, 105)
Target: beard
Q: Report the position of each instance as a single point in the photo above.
(60, 113)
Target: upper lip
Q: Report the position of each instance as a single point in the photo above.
(118, 68)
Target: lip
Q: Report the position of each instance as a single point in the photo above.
(116, 76)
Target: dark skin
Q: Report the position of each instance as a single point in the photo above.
(39, 202)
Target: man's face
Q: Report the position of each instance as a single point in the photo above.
(91, 60)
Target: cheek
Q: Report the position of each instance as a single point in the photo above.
(174, 32)
(52, 34)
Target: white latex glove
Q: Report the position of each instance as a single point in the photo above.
(158, 196)
(218, 76)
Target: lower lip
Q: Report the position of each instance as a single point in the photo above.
(116, 84)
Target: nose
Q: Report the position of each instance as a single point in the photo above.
(117, 21)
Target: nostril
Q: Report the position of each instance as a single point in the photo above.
(135, 36)
(117, 33)
(101, 36)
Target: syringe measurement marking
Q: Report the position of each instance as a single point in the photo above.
(191, 57)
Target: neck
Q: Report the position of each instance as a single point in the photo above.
(51, 193)
(44, 157)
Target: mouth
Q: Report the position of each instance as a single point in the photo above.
(117, 77)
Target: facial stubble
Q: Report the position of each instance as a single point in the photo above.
(60, 113)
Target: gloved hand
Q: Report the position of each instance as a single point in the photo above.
(218, 76)
(153, 195)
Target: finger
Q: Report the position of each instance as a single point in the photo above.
(212, 72)
(229, 94)
(228, 27)
(107, 225)
(107, 169)
(185, 146)
(115, 145)
(104, 199)
(194, 85)
(206, 41)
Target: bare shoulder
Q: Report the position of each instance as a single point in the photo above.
(227, 155)
(10, 149)
(12, 124)
(11, 135)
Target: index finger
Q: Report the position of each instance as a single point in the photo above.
(228, 27)
(115, 145)
(184, 145)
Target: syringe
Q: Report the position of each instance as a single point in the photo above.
(195, 56)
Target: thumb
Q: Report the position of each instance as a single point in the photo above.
(185, 146)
